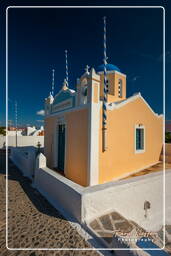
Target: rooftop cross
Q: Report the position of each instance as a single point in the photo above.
(87, 69)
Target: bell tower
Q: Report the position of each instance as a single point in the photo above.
(88, 87)
(116, 83)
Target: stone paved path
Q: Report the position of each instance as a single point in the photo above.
(112, 226)
(33, 222)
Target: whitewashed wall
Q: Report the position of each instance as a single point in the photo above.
(22, 141)
(128, 196)
(24, 159)
(62, 193)
(13, 133)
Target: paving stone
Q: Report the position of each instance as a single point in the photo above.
(124, 226)
(33, 222)
(95, 225)
(106, 222)
(116, 216)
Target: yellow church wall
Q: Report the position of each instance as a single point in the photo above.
(120, 158)
(77, 146)
(76, 152)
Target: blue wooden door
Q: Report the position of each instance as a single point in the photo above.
(61, 147)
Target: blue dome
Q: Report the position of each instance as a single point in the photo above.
(109, 67)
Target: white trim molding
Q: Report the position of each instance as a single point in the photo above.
(68, 110)
(93, 136)
(119, 104)
(62, 105)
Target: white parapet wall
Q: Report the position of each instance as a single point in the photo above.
(24, 159)
(22, 141)
(127, 197)
(62, 193)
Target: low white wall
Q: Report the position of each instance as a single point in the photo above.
(128, 196)
(24, 159)
(62, 193)
(13, 133)
(22, 141)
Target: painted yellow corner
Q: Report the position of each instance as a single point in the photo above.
(120, 158)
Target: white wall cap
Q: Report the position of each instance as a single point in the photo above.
(94, 75)
(92, 72)
(77, 108)
(40, 161)
(72, 91)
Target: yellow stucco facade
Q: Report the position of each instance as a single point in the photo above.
(121, 158)
(76, 144)
(80, 113)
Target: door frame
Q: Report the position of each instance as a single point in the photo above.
(60, 121)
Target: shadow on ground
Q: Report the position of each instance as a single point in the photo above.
(41, 204)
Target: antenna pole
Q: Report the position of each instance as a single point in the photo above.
(16, 124)
(105, 92)
(53, 76)
(66, 66)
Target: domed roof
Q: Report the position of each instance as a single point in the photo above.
(109, 67)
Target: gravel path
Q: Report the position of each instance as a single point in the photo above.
(33, 222)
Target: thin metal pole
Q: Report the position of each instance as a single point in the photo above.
(105, 92)
(53, 79)
(66, 66)
(16, 123)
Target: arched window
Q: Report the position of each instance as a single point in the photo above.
(120, 88)
(84, 93)
(84, 82)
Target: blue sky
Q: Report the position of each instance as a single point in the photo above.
(39, 37)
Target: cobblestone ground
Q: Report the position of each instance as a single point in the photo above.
(33, 222)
